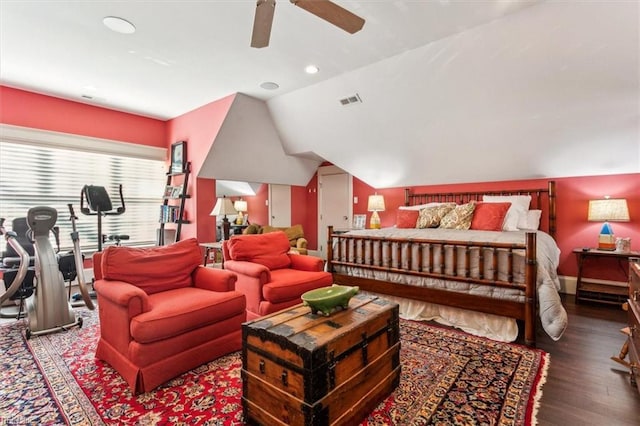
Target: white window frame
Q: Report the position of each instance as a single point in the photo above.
(87, 225)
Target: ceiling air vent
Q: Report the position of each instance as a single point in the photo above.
(353, 99)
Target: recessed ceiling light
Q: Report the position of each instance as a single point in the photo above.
(311, 69)
(119, 25)
(269, 85)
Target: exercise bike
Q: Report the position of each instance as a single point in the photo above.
(48, 309)
(99, 204)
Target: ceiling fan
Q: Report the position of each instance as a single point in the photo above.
(324, 9)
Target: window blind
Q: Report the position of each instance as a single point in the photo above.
(34, 174)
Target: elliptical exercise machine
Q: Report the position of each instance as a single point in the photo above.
(48, 309)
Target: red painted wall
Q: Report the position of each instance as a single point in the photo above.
(199, 129)
(27, 109)
(257, 206)
(304, 209)
(573, 195)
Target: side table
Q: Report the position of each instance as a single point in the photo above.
(216, 247)
(615, 292)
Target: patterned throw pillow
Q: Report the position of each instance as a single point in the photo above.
(430, 217)
(459, 218)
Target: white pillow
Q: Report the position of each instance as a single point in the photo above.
(421, 206)
(529, 220)
(519, 204)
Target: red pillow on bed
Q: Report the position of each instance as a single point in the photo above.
(407, 218)
(489, 216)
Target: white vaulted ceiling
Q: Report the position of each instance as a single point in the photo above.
(452, 91)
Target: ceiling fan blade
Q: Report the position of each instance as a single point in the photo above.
(331, 12)
(262, 23)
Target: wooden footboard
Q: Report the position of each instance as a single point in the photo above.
(372, 254)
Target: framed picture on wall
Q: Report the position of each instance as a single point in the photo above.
(178, 156)
(359, 221)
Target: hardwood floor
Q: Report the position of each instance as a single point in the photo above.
(584, 386)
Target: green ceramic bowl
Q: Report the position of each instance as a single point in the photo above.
(326, 300)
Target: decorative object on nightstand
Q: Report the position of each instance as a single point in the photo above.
(605, 210)
(359, 221)
(241, 207)
(224, 206)
(375, 205)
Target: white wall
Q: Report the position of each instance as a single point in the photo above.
(550, 91)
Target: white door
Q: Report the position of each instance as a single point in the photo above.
(279, 205)
(334, 203)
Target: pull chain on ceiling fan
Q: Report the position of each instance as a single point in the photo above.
(323, 9)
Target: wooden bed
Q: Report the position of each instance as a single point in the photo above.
(370, 252)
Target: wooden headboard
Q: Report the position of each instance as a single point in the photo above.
(541, 198)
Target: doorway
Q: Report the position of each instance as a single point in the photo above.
(335, 191)
(280, 205)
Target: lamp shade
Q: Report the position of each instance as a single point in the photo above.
(240, 205)
(608, 209)
(376, 203)
(224, 206)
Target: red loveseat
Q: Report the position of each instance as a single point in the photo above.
(269, 276)
(162, 314)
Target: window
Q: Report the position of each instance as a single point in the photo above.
(41, 170)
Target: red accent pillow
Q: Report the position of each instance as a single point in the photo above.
(407, 218)
(153, 269)
(489, 216)
(268, 249)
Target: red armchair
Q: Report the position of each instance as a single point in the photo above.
(162, 314)
(269, 276)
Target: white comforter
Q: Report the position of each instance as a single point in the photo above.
(552, 314)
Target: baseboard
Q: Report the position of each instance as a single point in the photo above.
(568, 284)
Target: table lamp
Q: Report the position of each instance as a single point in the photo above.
(241, 207)
(608, 209)
(224, 206)
(375, 205)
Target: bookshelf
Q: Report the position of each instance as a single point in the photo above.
(172, 208)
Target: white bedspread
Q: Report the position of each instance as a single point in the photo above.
(552, 314)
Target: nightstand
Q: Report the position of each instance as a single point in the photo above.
(597, 290)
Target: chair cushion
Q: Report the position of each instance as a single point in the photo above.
(288, 284)
(153, 269)
(269, 249)
(178, 311)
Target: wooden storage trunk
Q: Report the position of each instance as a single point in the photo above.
(305, 369)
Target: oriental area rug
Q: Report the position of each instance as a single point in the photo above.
(448, 378)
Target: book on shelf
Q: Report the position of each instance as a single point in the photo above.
(169, 214)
